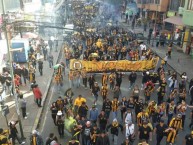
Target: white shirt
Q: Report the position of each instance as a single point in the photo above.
(129, 130)
(143, 47)
(128, 117)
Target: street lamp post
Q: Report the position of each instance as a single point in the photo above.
(7, 36)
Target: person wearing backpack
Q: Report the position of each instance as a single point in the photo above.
(49, 139)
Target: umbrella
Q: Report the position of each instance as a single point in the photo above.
(30, 35)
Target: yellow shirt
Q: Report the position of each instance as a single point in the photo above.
(78, 101)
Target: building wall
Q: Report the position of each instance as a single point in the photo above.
(188, 13)
(153, 5)
(10, 5)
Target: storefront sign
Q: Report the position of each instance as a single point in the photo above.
(109, 66)
(171, 14)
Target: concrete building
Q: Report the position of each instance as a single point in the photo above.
(10, 5)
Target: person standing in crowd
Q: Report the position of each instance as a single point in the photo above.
(51, 60)
(83, 110)
(25, 74)
(18, 72)
(78, 102)
(84, 78)
(115, 107)
(118, 79)
(23, 104)
(45, 53)
(117, 92)
(50, 139)
(102, 120)
(132, 79)
(107, 107)
(123, 105)
(170, 110)
(40, 67)
(91, 81)
(38, 95)
(60, 123)
(160, 131)
(130, 131)
(14, 133)
(95, 91)
(114, 128)
(188, 140)
(93, 114)
(35, 138)
(86, 133)
(112, 80)
(54, 111)
(8, 83)
(104, 92)
(170, 50)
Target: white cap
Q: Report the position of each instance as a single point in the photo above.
(147, 73)
(115, 120)
(34, 132)
(59, 113)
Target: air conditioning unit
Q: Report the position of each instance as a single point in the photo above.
(180, 10)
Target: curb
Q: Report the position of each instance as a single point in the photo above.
(45, 95)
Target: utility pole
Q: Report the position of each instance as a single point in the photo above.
(66, 6)
(8, 38)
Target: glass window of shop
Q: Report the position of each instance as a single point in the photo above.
(190, 5)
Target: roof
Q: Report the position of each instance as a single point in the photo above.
(174, 20)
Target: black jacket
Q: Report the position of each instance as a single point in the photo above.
(115, 129)
(103, 141)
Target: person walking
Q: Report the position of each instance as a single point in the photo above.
(86, 133)
(103, 139)
(23, 104)
(38, 95)
(95, 91)
(188, 140)
(51, 60)
(93, 114)
(14, 133)
(49, 139)
(45, 53)
(114, 127)
(160, 131)
(40, 67)
(60, 123)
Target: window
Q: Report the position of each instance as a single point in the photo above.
(190, 5)
(151, 1)
(182, 3)
(157, 1)
(174, 5)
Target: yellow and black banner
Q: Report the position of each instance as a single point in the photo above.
(109, 66)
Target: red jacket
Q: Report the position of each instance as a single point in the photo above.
(37, 93)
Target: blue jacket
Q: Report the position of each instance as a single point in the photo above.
(93, 114)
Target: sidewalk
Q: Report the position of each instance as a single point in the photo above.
(34, 111)
(179, 61)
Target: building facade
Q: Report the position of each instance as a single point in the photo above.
(10, 5)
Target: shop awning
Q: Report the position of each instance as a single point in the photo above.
(174, 20)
